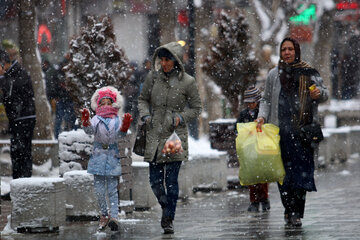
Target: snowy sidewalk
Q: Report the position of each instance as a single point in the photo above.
(331, 213)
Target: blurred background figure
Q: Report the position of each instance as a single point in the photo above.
(132, 92)
(10, 47)
(51, 74)
(65, 116)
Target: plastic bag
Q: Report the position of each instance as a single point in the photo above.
(259, 154)
(173, 145)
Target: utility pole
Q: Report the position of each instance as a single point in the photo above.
(193, 125)
(191, 8)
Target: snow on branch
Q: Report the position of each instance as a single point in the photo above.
(95, 61)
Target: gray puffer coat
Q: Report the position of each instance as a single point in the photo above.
(163, 98)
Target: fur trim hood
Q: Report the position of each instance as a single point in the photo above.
(117, 104)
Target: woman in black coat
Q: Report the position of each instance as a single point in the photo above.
(293, 91)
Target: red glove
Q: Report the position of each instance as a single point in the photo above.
(126, 122)
(85, 116)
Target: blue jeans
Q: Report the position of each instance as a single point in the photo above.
(107, 185)
(166, 198)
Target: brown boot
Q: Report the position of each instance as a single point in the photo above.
(104, 220)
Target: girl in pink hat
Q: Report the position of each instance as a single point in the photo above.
(104, 163)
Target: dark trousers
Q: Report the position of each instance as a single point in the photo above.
(293, 200)
(167, 194)
(20, 150)
(64, 112)
(259, 192)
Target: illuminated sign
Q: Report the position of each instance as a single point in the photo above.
(44, 43)
(347, 5)
(306, 16)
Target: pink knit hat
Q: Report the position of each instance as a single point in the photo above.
(107, 93)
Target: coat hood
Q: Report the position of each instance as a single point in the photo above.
(117, 104)
(175, 49)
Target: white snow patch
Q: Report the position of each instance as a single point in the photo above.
(130, 220)
(224, 120)
(232, 193)
(345, 173)
(7, 229)
(340, 105)
(100, 235)
(140, 164)
(201, 148)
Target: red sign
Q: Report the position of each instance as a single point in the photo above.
(44, 32)
(347, 5)
(183, 18)
(301, 33)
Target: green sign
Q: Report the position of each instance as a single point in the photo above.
(305, 17)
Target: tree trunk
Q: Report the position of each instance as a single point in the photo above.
(30, 60)
(167, 21)
(322, 59)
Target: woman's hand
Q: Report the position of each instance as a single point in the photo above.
(260, 121)
(315, 94)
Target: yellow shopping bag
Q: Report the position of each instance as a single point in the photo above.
(259, 154)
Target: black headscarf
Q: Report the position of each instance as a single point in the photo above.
(286, 69)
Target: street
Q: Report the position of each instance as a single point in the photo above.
(331, 213)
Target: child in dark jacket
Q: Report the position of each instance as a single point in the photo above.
(104, 163)
(258, 192)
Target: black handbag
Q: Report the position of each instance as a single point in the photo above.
(140, 141)
(311, 133)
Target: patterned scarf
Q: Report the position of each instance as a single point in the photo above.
(107, 111)
(296, 76)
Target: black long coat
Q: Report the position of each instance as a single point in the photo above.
(18, 93)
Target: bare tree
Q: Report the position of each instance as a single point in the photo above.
(30, 59)
(273, 23)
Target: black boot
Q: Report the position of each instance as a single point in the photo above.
(295, 220)
(287, 219)
(254, 207)
(167, 225)
(113, 224)
(265, 205)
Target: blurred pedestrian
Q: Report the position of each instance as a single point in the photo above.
(144, 72)
(51, 81)
(168, 101)
(13, 50)
(258, 192)
(350, 68)
(291, 104)
(64, 113)
(104, 163)
(19, 101)
(132, 92)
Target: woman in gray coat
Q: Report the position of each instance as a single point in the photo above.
(293, 90)
(168, 101)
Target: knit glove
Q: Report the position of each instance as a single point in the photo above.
(85, 117)
(127, 119)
